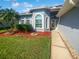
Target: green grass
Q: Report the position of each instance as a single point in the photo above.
(24, 48)
(1, 31)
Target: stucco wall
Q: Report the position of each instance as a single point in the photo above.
(44, 14)
(69, 26)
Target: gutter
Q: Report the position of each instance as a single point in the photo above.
(68, 5)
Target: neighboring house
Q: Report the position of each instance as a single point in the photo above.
(68, 23)
(40, 18)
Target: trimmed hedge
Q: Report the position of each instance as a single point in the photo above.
(24, 27)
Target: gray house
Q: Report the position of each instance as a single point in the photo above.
(41, 18)
(68, 23)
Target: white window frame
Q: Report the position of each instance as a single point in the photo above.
(41, 20)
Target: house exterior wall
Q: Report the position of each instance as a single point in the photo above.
(25, 19)
(44, 14)
(47, 15)
(69, 26)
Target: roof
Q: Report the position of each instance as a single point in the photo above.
(39, 8)
(54, 8)
(68, 5)
(50, 9)
(42, 7)
(26, 14)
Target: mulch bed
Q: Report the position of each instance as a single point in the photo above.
(27, 34)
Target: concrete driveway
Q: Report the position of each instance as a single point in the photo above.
(58, 48)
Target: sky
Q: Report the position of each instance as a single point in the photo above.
(24, 5)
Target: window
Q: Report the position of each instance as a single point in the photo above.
(38, 21)
(27, 21)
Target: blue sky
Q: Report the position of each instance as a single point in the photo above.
(25, 5)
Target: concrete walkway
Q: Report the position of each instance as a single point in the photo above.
(58, 48)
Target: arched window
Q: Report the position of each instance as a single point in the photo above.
(38, 21)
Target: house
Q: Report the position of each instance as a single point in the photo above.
(40, 18)
(68, 23)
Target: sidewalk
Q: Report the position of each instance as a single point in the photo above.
(58, 48)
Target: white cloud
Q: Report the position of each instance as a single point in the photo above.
(26, 10)
(26, 4)
(16, 4)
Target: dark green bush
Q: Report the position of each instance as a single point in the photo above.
(24, 27)
(2, 28)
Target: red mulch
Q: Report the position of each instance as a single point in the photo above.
(27, 34)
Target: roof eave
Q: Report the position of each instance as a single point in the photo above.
(68, 5)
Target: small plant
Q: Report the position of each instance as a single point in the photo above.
(24, 27)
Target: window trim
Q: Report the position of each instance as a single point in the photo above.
(37, 19)
(46, 22)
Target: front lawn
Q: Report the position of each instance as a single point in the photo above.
(19, 47)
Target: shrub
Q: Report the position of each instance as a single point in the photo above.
(24, 27)
(2, 28)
